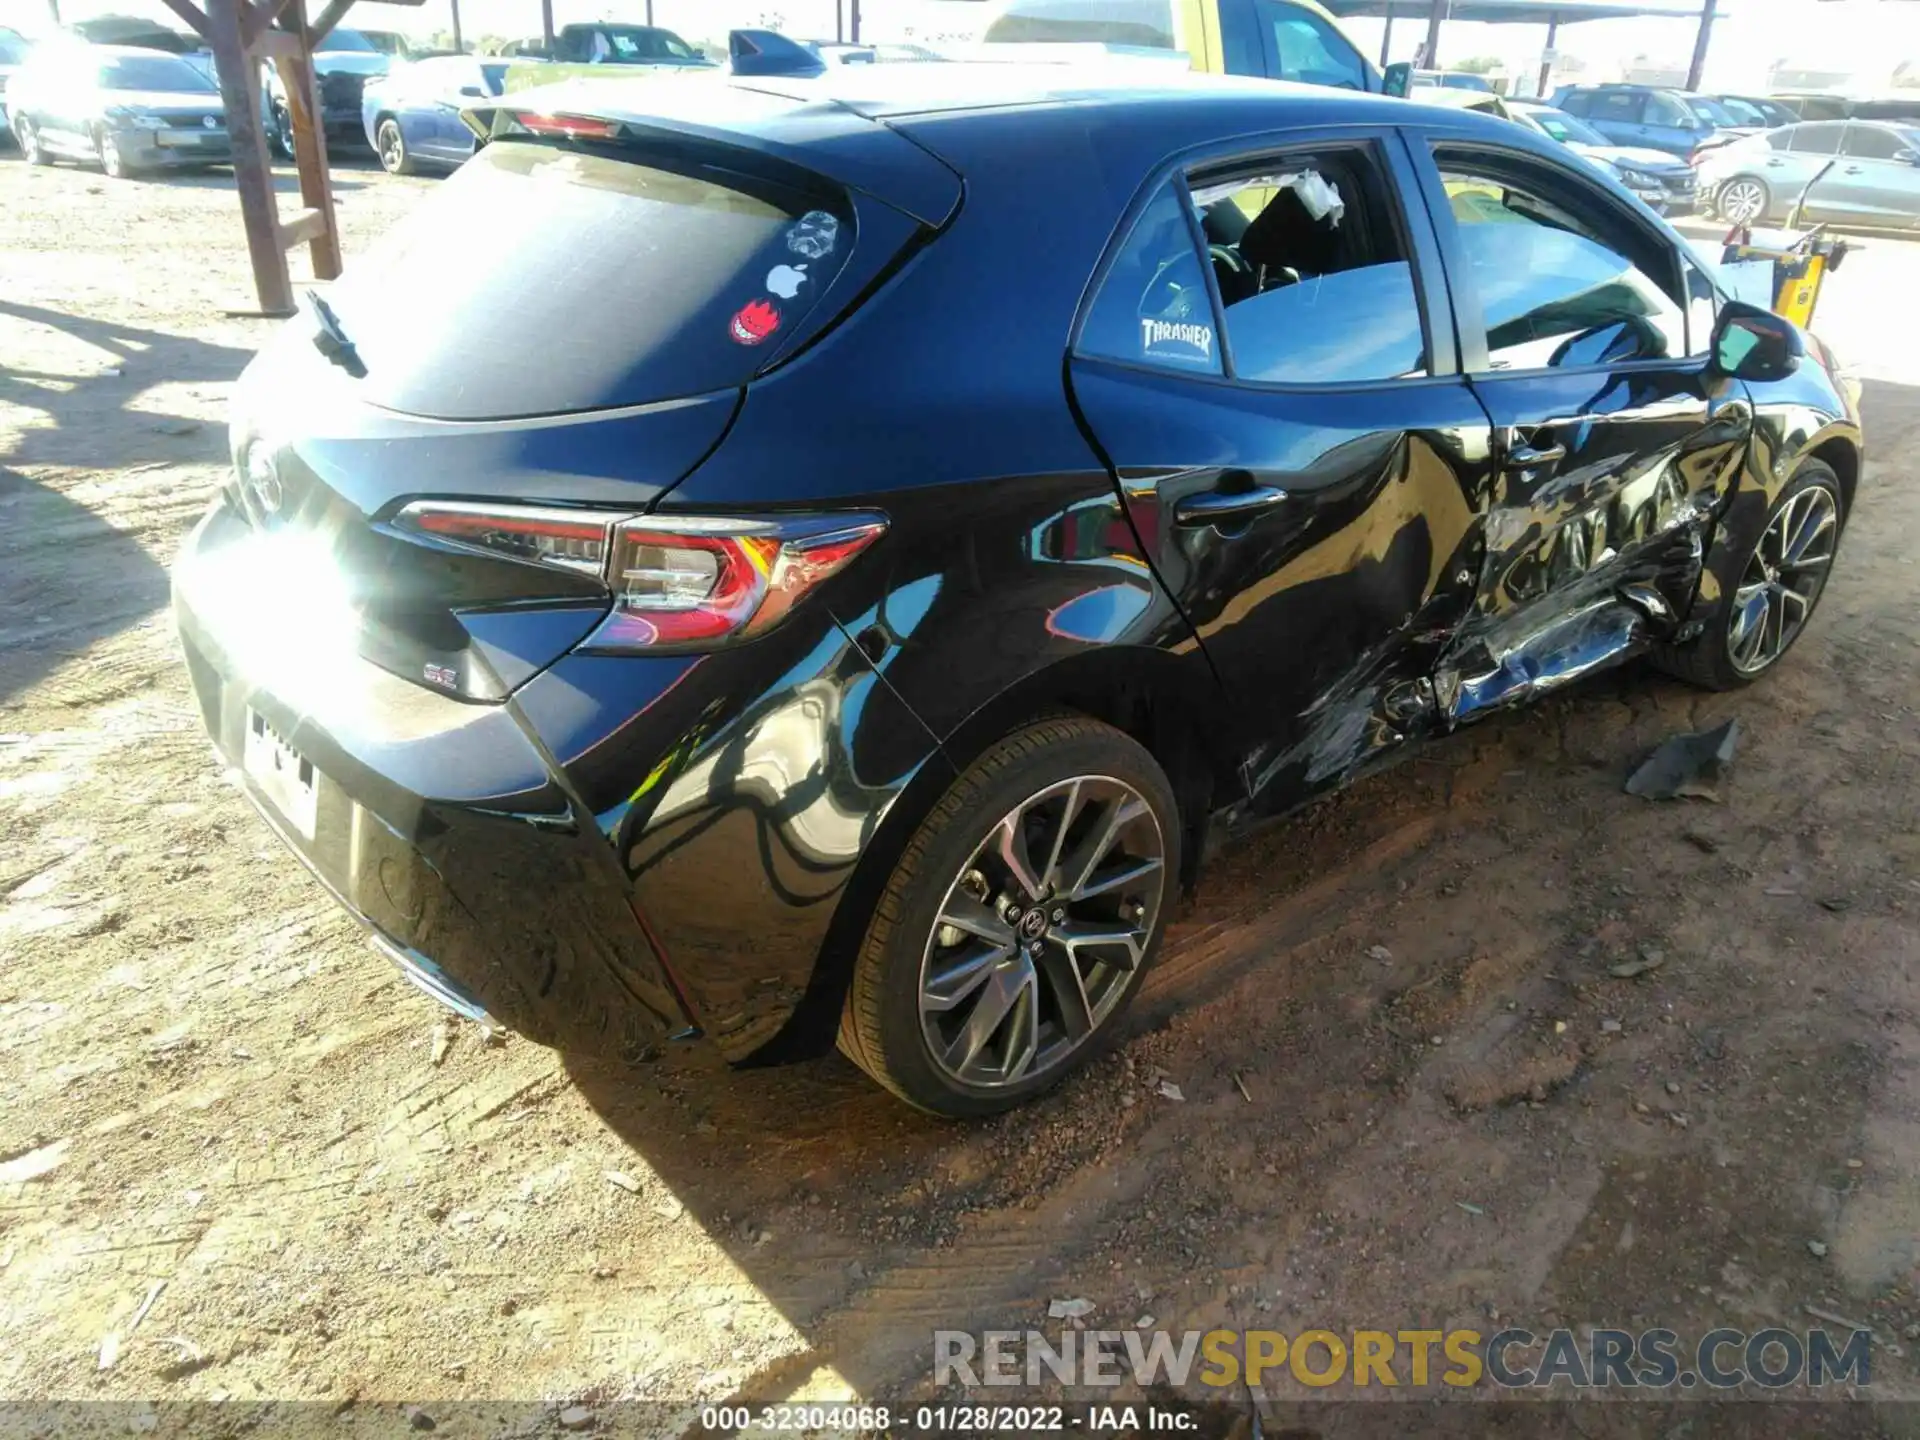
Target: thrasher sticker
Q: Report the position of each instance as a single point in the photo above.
(814, 235)
(786, 280)
(754, 322)
(1180, 338)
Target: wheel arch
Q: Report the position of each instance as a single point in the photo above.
(1142, 692)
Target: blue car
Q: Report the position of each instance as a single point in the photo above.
(1647, 117)
(412, 115)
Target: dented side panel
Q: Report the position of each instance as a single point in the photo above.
(1597, 552)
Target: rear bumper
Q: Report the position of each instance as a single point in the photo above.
(436, 824)
(624, 848)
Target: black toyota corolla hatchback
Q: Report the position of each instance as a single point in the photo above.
(785, 561)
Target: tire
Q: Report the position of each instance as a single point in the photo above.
(1723, 656)
(1743, 200)
(919, 1011)
(391, 146)
(282, 131)
(111, 160)
(28, 134)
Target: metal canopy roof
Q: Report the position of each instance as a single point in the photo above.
(1512, 12)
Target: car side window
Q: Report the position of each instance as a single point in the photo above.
(1818, 139)
(1556, 289)
(1574, 104)
(1870, 142)
(1308, 50)
(1665, 110)
(1621, 105)
(1782, 139)
(1153, 307)
(1313, 275)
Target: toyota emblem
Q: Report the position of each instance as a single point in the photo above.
(212, 122)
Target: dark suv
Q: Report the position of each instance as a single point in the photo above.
(1646, 116)
(800, 579)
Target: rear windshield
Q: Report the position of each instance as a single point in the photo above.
(540, 279)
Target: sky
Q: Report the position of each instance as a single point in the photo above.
(1867, 37)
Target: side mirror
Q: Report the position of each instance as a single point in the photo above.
(1397, 79)
(1754, 344)
(473, 90)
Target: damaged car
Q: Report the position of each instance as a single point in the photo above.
(801, 582)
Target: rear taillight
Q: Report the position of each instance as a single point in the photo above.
(567, 126)
(679, 584)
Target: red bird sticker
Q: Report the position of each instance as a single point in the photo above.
(754, 322)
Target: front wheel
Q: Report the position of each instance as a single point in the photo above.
(1773, 592)
(395, 158)
(1019, 922)
(111, 160)
(28, 134)
(1744, 200)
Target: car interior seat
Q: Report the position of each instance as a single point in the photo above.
(1286, 242)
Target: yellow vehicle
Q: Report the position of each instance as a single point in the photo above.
(1294, 40)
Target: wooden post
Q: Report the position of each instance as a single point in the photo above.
(546, 24)
(1700, 45)
(309, 150)
(252, 173)
(1546, 65)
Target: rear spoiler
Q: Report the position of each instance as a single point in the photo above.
(768, 52)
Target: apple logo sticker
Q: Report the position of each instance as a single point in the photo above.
(786, 280)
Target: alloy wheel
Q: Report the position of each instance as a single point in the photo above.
(1783, 579)
(110, 158)
(393, 148)
(29, 139)
(1041, 930)
(1743, 201)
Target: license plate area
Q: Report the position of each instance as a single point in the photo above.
(284, 776)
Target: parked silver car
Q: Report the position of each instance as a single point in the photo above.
(125, 108)
(1665, 182)
(1874, 181)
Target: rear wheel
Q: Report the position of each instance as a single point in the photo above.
(1774, 590)
(31, 148)
(1744, 200)
(395, 158)
(1018, 923)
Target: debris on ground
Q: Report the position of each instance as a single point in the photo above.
(442, 1042)
(1381, 953)
(1687, 767)
(1702, 841)
(1470, 1207)
(1649, 959)
(1610, 1027)
(33, 1163)
(575, 1417)
(624, 1181)
(1171, 1090)
(1817, 1249)
(1074, 1309)
(1245, 1094)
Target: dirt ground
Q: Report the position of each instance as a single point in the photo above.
(1413, 1092)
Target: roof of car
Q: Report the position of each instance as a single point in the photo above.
(841, 124)
(885, 92)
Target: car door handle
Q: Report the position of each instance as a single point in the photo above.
(1227, 507)
(1851, 170)
(1532, 457)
